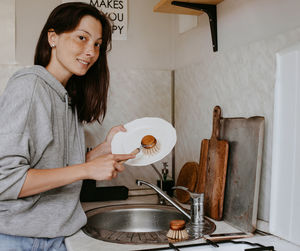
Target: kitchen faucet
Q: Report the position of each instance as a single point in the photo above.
(196, 225)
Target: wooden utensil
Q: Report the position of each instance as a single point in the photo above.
(212, 170)
(187, 178)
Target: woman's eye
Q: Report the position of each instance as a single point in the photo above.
(82, 38)
(97, 45)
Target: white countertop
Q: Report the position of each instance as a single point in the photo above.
(82, 242)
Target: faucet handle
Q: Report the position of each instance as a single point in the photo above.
(193, 195)
(182, 188)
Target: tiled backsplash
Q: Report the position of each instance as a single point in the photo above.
(134, 94)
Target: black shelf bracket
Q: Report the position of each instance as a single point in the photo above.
(211, 11)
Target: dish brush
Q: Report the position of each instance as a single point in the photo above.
(149, 145)
(177, 230)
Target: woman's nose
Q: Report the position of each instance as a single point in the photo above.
(90, 50)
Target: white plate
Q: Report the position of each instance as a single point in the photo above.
(126, 142)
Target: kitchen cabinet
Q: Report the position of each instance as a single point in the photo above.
(193, 7)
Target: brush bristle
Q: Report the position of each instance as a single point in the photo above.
(177, 231)
(177, 235)
(153, 150)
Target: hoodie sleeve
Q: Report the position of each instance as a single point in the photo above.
(24, 110)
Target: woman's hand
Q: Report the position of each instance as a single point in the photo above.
(105, 147)
(106, 167)
(112, 132)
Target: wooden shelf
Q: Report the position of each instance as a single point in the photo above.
(165, 6)
(193, 7)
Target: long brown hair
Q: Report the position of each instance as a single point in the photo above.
(89, 92)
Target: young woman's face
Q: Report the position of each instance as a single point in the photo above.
(76, 51)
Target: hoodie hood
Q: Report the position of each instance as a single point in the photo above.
(62, 93)
(49, 79)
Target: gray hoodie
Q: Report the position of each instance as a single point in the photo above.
(38, 130)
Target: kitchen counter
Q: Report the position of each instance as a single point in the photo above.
(82, 242)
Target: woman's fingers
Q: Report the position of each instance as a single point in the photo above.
(113, 131)
(107, 167)
(119, 167)
(123, 157)
(114, 174)
(119, 128)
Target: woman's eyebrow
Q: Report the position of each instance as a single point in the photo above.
(100, 38)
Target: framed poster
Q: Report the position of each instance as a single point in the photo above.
(116, 10)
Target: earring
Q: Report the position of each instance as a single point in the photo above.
(52, 45)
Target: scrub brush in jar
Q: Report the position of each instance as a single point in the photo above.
(177, 231)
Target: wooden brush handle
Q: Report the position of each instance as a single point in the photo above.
(177, 224)
(148, 141)
(135, 151)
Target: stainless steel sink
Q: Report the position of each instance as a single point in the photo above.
(135, 223)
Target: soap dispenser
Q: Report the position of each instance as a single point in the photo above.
(167, 182)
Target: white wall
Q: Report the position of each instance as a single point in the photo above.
(240, 22)
(31, 16)
(148, 44)
(7, 41)
(240, 77)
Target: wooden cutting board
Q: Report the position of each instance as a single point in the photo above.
(245, 137)
(187, 178)
(212, 170)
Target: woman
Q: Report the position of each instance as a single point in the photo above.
(42, 158)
